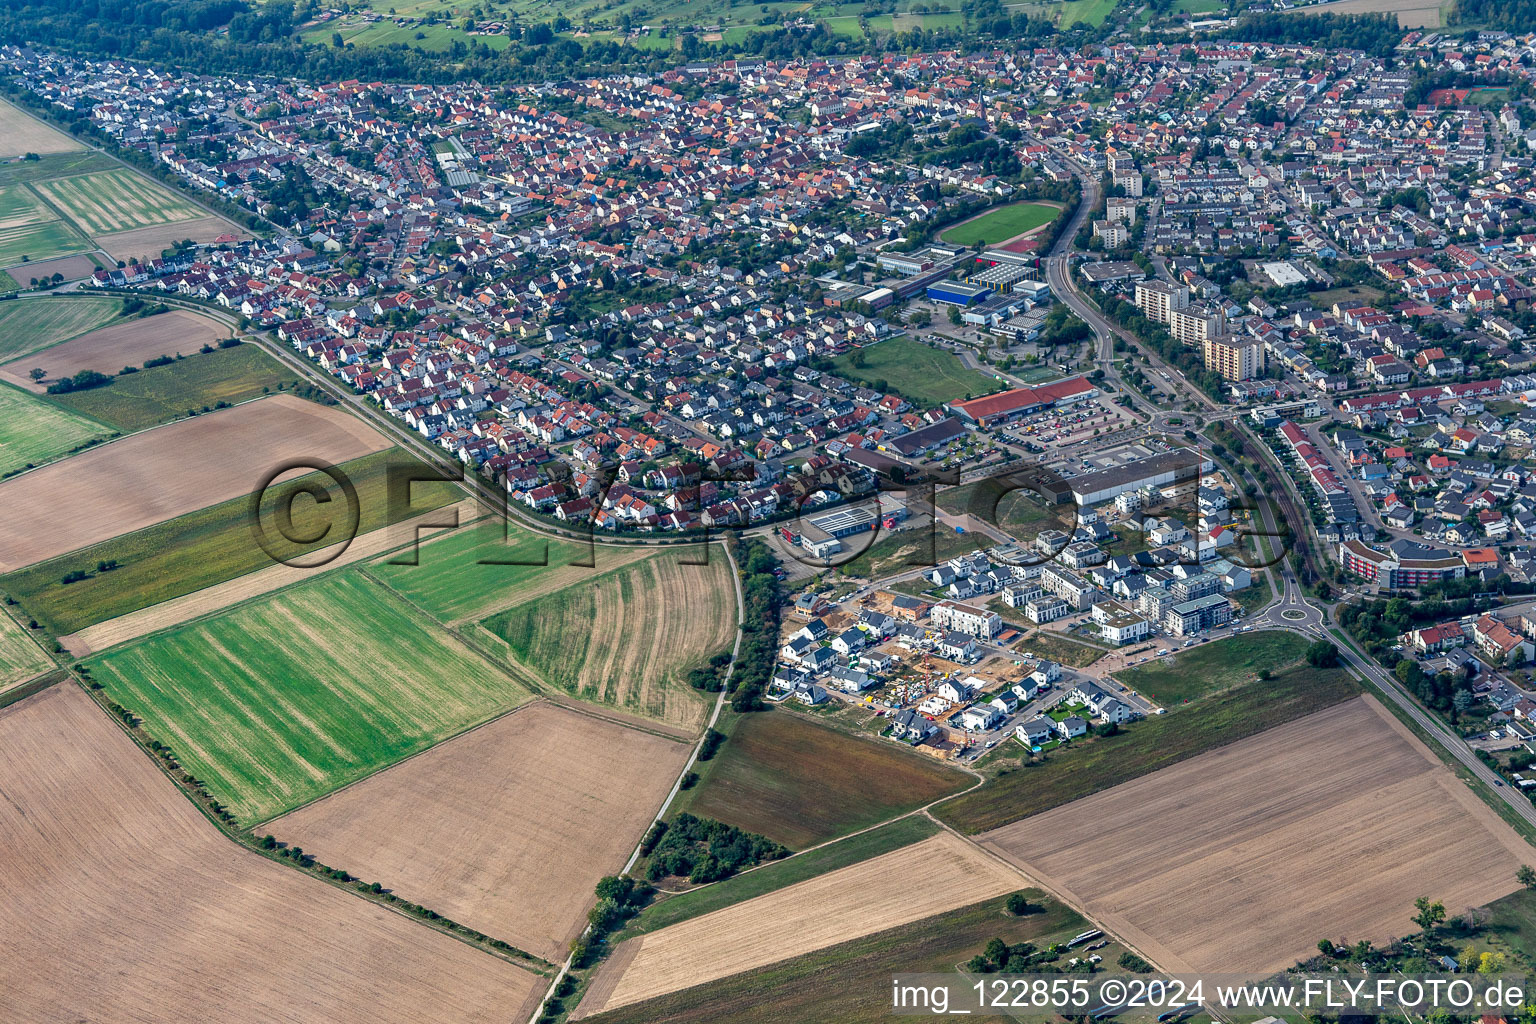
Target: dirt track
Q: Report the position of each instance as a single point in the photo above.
(111, 348)
(166, 472)
(906, 885)
(507, 828)
(1243, 858)
(120, 903)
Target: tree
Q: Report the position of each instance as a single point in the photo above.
(37, 373)
(1018, 906)
(1325, 947)
(1322, 654)
(1526, 876)
(1429, 913)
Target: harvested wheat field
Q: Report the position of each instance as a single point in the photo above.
(909, 884)
(276, 576)
(111, 348)
(1410, 13)
(163, 473)
(21, 133)
(1241, 859)
(150, 242)
(506, 828)
(628, 638)
(120, 902)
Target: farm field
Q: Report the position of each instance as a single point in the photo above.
(174, 611)
(1001, 224)
(200, 381)
(927, 377)
(20, 133)
(31, 325)
(777, 874)
(627, 639)
(109, 349)
(472, 573)
(287, 698)
(848, 982)
(55, 165)
(1158, 742)
(25, 244)
(121, 902)
(166, 472)
(72, 267)
(1410, 13)
(20, 658)
(801, 783)
(115, 201)
(506, 828)
(820, 912)
(1218, 665)
(1329, 825)
(33, 430)
(186, 555)
(149, 242)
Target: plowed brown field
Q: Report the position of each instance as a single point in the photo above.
(111, 348)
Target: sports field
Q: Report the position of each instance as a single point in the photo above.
(20, 657)
(120, 902)
(200, 381)
(115, 201)
(626, 639)
(1146, 746)
(287, 698)
(505, 829)
(31, 325)
(20, 133)
(1218, 665)
(924, 376)
(801, 783)
(34, 430)
(1001, 224)
(1241, 859)
(187, 554)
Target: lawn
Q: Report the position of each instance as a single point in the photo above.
(1005, 504)
(31, 325)
(200, 381)
(1001, 224)
(194, 551)
(1362, 294)
(779, 873)
(1218, 665)
(1085, 767)
(285, 699)
(29, 243)
(34, 430)
(850, 982)
(912, 549)
(467, 573)
(801, 783)
(20, 657)
(925, 376)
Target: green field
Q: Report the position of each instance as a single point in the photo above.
(1008, 505)
(465, 574)
(29, 243)
(34, 430)
(1101, 762)
(1218, 665)
(911, 549)
(779, 873)
(800, 783)
(31, 325)
(285, 699)
(20, 657)
(850, 983)
(1061, 649)
(137, 400)
(55, 165)
(927, 377)
(117, 200)
(194, 551)
(1001, 224)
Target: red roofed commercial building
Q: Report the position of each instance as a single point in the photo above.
(1007, 405)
